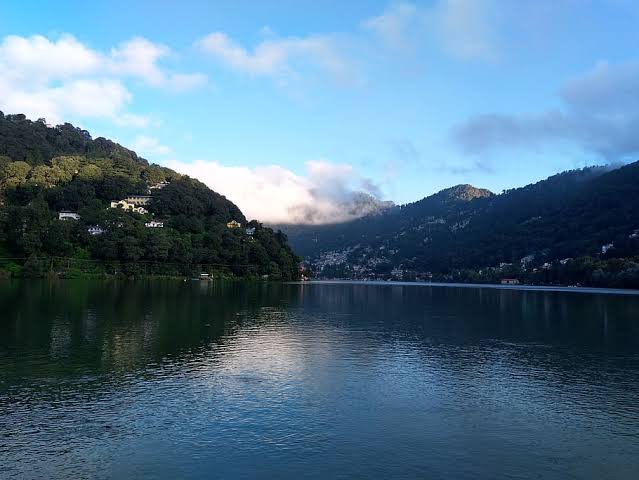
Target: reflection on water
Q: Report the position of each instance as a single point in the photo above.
(197, 380)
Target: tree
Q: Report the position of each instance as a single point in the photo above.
(90, 172)
(15, 174)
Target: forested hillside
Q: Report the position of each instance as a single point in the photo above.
(576, 227)
(180, 228)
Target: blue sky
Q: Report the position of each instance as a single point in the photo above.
(288, 104)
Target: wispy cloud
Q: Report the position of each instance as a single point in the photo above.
(397, 26)
(139, 58)
(281, 58)
(149, 146)
(600, 114)
(464, 28)
(327, 193)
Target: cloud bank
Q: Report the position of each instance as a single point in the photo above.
(63, 78)
(328, 193)
(600, 115)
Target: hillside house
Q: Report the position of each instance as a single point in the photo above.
(509, 281)
(124, 205)
(233, 224)
(158, 186)
(65, 215)
(605, 248)
(95, 230)
(250, 231)
(154, 224)
(138, 200)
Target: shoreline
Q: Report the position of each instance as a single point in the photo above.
(493, 286)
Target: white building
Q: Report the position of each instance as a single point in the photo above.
(250, 231)
(158, 186)
(95, 230)
(154, 224)
(64, 215)
(138, 200)
(124, 205)
(607, 247)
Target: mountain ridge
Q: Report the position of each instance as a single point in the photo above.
(572, 214)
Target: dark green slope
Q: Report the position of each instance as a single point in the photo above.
(571, 214)
(45, 170)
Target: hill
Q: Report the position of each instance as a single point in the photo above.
(72, 203)
(579, 226)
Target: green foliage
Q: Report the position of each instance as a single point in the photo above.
(36, 143)
(464, 229)
(75, 173)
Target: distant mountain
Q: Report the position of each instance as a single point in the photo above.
(569, 215)
(57, 185)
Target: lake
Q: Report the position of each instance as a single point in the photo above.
(165, 379)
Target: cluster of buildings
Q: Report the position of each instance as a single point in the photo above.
(233, 224)
(132, 203)
(137, 204)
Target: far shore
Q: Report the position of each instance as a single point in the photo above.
(533, 288)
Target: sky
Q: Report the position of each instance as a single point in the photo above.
(313, 111)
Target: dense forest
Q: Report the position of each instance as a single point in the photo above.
(577, 227)
(180, 230)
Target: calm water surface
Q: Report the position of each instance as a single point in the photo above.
(194, 380)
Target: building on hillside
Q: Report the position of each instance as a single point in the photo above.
(250, 231)
(525, 261)
(509, 281)
(159, 186)
(154, 224)
(233, 224)
(138, 200)
(124, 205)
(605, 248)
(95, 230)
(65, 215)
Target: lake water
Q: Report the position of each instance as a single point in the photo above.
(196, 380)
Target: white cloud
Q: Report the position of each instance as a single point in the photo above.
(99, 98)
(139, 58)
(463, 28)
(327, 193)
(281, 57)
(37, 58)
(149, 146)
(64, 79)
